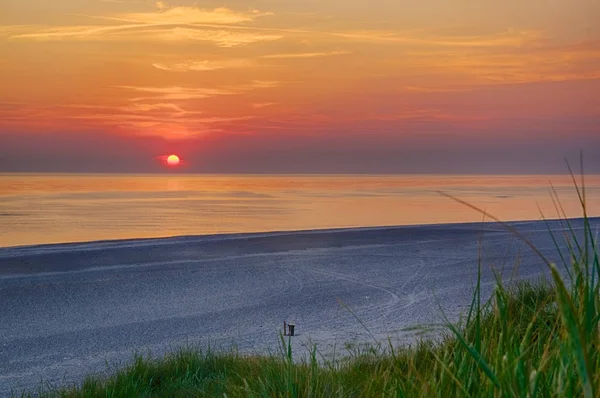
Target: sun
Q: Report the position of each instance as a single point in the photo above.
(173, 160)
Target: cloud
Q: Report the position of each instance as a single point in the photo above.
(159, 119)
(81, 32)
(520, 65)
(428, 115)
(190, 93)
(209, 65)
(119, 1)
(254, 85)
(11, 30)
(191, 15)
(161, 107)
(305, 55)
(172, 126)
(424, 89)
(177, 93)
(136, 32)
(155, 120)
(228, 28)
(507, 38)
(178, 23)
(206, 65)
(260, 105)
(223, 38)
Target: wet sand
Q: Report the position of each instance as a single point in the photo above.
(68, 310)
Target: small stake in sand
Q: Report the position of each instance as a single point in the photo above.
(288, 329)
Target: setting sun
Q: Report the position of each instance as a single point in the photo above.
(173, 160)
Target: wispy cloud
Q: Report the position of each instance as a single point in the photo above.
(178, 23)
(163, 119)
(209, 65)
(158, 107)
(507, 38)
(228, 28)
(426, 89)
(130, 119)
(520, 65)
(165, 125)
(223, 38)
(306, 55)
(260, 105)
(135, 32)
(190, 93)
(428, 114)
(255, 84)
(191, 15)
(120, 1)
(206, 65)
(12, 30)
(177, 93)
(81, 32)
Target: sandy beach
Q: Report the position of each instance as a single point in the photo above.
(68, 310)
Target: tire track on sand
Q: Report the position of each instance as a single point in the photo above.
(387, 307)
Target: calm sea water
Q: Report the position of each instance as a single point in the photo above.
(36, 209)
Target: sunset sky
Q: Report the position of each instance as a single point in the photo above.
(299, 86)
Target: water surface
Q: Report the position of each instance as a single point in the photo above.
(56, 208)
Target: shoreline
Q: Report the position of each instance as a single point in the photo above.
(176, 239)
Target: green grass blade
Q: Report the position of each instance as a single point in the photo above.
(479, 359)
(575, 337)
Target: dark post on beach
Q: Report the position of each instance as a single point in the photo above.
(285, 328)
(291, 326)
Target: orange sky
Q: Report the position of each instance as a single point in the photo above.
(331, 78)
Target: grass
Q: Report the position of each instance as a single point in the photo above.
(527, 340)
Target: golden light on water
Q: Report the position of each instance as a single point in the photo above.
(128, 206)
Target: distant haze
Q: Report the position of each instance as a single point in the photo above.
(326, 86)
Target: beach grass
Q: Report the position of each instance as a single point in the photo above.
(526, 340)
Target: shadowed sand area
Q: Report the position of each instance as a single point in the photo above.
(68, 310)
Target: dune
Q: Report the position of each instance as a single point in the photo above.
(68, 310)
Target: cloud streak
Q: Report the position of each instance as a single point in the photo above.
(521, 65)
(146, 33)
(161, 119)
(206, 65)
(192, 93)
(179, 23)
(191, 16)
(177, 93)
(507, 38)
(222, 38)
(261, 105)
(211, 65)
(306, 55)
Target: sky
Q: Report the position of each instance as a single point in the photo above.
(299, 86)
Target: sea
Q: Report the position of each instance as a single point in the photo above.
(58, 208)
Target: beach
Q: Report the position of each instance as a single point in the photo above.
(69, 310)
